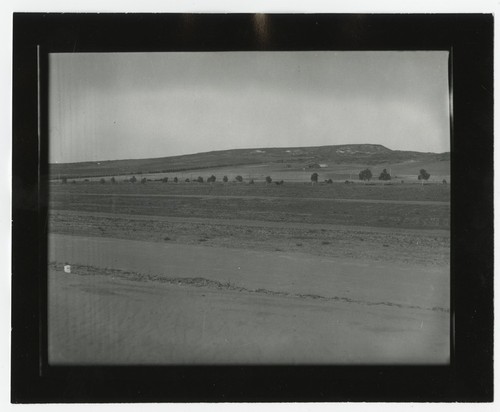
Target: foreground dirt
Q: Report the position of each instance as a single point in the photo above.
(185, 276)
(138, 302)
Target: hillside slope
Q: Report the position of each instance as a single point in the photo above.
(367, 154)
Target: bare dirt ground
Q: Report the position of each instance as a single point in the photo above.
(141, 302)
(248, 273)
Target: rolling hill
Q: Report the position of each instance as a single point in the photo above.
(293, 157)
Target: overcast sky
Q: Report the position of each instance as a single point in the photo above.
(139, 105)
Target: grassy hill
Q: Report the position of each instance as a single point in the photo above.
(293, 157)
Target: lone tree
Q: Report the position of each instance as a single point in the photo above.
(175, 179)
(133, 179)
(200, 179)
(225, 179)
(423, 175)
(365, 174)
(239, 178)
(314, 178)
(384, 175)
(268, 180)
(144, 180)
(211, 179)
(113, 180)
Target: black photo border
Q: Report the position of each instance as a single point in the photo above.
(468, 38)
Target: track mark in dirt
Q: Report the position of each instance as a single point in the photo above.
(201, 282)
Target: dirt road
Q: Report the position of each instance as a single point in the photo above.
(140, 302)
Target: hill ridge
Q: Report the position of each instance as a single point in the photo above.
(296, 156)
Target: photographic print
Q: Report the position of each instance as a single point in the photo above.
(249, 208)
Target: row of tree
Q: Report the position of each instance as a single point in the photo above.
(365, 175)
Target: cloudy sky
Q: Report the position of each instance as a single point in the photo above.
(139, 105)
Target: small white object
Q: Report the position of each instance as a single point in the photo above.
(67, 269)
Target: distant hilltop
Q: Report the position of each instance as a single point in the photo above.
(316, 156)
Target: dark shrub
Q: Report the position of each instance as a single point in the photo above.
(384, 175)
(102, 181)
(239, 178)
(144, 180)
(133, 179)
(113, 180)
(365, 174)
(314, 177)
(175, 179)
(200, 179)
(423, 175)
(225, 179)
(268, 180)
(164, 180)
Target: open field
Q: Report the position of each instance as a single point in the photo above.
(137, 302)
(220, 204)
(236, 273)
(428, 192)
(406, 172)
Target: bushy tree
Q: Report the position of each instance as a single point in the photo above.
(144, 180)
(211, 179)
(268, 180)
(314, 177)
(200, 179)
(133, 179)
(225, 179)
(239, 178)
(164, 180)
(365, 174)
(423, 175)
(384, 175)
